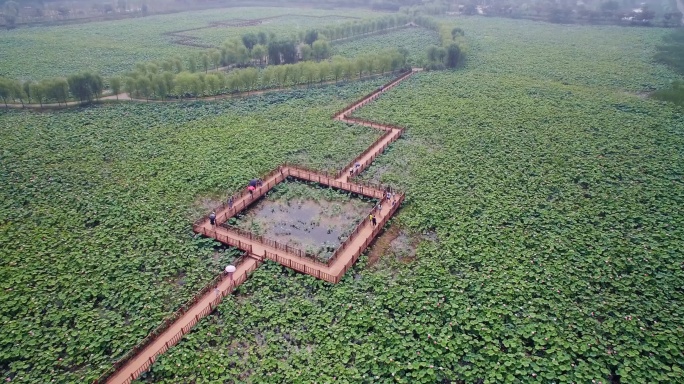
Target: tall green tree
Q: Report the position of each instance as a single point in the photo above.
(131, 86)
(178, 65)
(215, 56)
(5, 90)
(305, 52)
(214, 82)
(323, 71)
(18, 91)
(152, 68)
(453, 55)
(259, 53)
(27, 85)
(281, 75)
(159, 86)
(337, 67)
(115, 85)
(38, 92)
(169, 81)
(267, 76)
(456, 32)
(204, 59)
(57, 89)
(145, 87)
(295, 73)
(10, 12)
(310, 36)
(321, 50)
(262, 38)
(282, 52)
(250, 78)
(250, 40)
(85, 86)
(309, 71)
(184, 83)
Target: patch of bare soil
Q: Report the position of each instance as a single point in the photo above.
(394, 243)
(382, 244)
(404, 248)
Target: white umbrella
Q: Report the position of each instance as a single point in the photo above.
(230, 269)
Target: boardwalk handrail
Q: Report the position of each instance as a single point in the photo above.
(376, 231)
(367, 151)
(361, 188)
(241, 200)
(166, 323)
(362, 101)
(274, 244)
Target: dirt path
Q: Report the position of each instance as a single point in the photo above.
(261, 249)
(68, 104)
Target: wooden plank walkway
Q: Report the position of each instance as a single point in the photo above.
(259, 248)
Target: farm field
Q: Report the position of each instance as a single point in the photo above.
(113, 47)
(548, 191)
(97, 205)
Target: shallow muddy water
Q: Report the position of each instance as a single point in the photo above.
(314, 226)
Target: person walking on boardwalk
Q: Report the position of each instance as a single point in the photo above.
(371, 218)
(230, 202)
(230, 269)
(212, 218)
(374, 220)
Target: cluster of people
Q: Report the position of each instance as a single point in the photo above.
(253, 185)
(391, 198)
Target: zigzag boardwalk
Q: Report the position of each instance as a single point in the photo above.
(258, 248)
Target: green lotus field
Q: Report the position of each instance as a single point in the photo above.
(97, 206)
(543, 185)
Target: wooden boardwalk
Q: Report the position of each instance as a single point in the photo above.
(258, 248)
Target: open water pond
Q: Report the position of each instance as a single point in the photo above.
(308, 217)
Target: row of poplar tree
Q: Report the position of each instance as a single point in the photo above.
(83, 87)
(151, 82)
(303, 62)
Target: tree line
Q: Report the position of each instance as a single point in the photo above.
(305, 58)
(361, 27)
(84, 86)
(151, 82)
(261, 48)
(450, 54)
